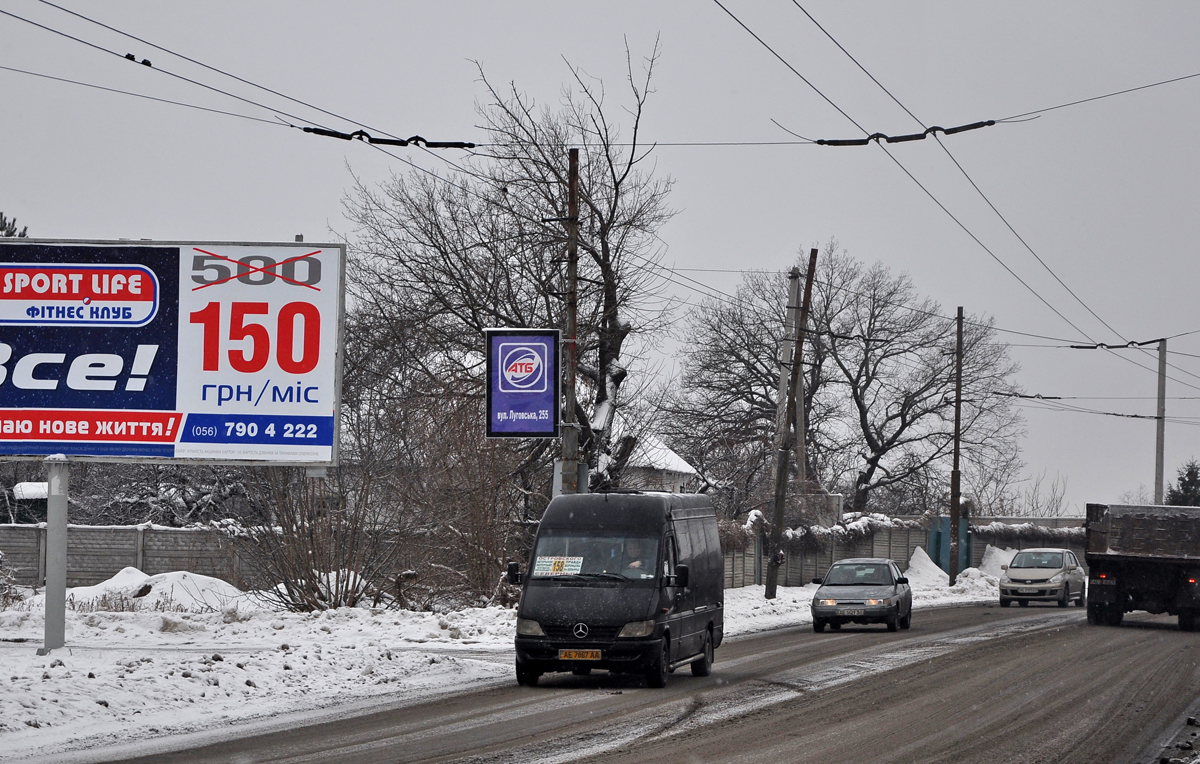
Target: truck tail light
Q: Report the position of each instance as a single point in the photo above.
(1191, 580)
(1104, 575)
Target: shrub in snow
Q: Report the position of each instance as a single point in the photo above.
(9, 593)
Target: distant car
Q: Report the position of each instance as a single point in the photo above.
(867, 590)
(1042, 575)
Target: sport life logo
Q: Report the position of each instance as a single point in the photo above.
(77, 294)
(523, 368)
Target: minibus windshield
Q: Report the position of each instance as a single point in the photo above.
(570, 553)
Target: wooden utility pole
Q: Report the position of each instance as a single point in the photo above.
(1161, 434)
(791, 357)
(955, 476)
(570, 431)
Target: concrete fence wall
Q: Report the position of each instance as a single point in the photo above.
(800, 568)
(94, 554)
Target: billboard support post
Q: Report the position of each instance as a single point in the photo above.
(57, 469)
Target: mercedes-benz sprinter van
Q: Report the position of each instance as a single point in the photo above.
(629, 582)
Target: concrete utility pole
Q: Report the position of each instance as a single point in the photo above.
(570, 426)
(56, 554)
(791, 357)
(1161, 434)
(955, 476)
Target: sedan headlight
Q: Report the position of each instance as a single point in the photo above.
(876, 602)
(529, 628)
(1057, 578)
(826, 602)
(637, 629)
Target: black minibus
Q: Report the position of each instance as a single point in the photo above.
(628, 582)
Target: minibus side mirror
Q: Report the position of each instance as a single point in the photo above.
(681, 576)
(514, 573)
(1003, 567)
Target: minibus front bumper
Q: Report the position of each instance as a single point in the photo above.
(545, 654)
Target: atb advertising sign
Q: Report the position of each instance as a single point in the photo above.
(204, 352)
(523, 379)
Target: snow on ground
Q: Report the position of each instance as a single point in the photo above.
(197, 654)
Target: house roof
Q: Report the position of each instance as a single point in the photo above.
(651, 453)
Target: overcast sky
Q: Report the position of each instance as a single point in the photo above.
(1104, 192)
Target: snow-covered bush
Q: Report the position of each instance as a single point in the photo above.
(9, 593)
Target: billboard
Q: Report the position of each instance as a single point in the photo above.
(522, 383)
(210, 352)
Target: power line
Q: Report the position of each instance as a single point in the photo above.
(147, 64)
(316, 127)
(1101, 97)
(989, 203)
(147, 97)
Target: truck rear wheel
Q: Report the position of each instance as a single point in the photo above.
(1187, 621)
(1113, 615)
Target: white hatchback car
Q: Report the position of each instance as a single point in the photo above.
(1042, 575)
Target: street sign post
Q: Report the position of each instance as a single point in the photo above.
(522, 383)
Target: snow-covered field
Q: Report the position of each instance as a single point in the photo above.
(224, 659)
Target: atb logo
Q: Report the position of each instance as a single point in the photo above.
(523, 368)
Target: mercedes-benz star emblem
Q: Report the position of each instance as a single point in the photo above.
(580, 630)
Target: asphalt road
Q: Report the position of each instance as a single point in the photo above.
(963, 685)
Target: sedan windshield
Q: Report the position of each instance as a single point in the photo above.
(1037, 560)
(859, 574)
(595, 554)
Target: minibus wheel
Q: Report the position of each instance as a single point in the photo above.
(656, 672)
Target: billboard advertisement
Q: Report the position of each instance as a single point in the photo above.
(209, 352)
(522, 383)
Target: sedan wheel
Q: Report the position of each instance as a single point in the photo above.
(818, 625)
(1066, 596)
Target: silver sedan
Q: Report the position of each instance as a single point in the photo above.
(866, 590)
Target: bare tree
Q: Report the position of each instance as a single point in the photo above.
(1038, 500)
(879, 390)
(483, 245)
(894, 355)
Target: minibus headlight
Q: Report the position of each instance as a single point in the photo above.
(529, 628)
(637, 629)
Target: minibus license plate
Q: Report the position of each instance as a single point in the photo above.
(850, 611)
(579, 655)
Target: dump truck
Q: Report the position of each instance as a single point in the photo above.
(1143, 557)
